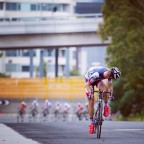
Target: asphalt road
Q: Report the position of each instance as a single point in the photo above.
(76, 132)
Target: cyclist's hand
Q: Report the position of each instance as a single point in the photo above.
(90, 96)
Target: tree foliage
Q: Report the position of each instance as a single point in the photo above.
(124, 25)
(74, 72)
(2, 75)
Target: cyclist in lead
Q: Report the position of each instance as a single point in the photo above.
(21, 111)
(22, 106)
(95, 76)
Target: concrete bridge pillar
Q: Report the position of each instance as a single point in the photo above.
(31, 62)
(56, 61)
(67, 63)
(41, 63)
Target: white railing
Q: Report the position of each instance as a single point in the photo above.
(79, 23)
(74, 16)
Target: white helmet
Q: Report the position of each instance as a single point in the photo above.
(115, 73)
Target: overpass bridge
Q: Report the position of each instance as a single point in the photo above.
(51, 33)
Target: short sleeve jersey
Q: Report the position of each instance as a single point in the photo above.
(95, 74)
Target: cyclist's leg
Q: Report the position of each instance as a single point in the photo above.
(91, 105)
(91, 112)
(102, 86)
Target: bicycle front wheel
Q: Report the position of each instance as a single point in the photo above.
(98, 126)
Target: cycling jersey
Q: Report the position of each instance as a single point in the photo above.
(95, 74)
(47, 104)
(22, 106)
(35, 104)
(66, 107)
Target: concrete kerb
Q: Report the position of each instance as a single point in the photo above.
(9, 136)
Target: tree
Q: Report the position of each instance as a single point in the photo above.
(124, 24)
(44, 69)
(3, 75)
(74, 72)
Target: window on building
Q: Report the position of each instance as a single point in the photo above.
(56, 7)
(25, 52)
(10, 53)
(44, 7)
(51, 68)
(33, 7)
(11, 67)
(49, 52)
(63, 53)
(13, 6)
(39, 7)
(74, 55)
(62, 67)
(1, 5)
(25, 7)
(25, 68)
(8, 6)
(64, 7)
(1, 19)
(14, 19)
(18, 6)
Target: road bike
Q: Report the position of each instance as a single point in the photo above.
(33, 115)
(20, 115)
(98, 117)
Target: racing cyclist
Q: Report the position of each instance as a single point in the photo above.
(95, 76)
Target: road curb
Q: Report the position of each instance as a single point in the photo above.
(9, 136)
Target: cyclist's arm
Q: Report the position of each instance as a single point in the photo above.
(110, 86)
(87, 85)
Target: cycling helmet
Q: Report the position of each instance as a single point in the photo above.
(115, 73)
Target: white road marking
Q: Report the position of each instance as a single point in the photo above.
(128, 129)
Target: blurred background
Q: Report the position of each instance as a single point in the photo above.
(47, 46)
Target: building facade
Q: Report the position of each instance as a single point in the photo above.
(18, 63)
(34, 9)
(94, 55)
(88, 6)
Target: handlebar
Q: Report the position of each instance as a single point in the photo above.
(101, 91)
(110, 92)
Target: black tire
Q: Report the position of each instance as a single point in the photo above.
(98, 124)
(98, 131)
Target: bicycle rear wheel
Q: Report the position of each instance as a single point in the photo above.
(98, 125)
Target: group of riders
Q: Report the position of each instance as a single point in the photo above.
(34, 109)
(58, 110)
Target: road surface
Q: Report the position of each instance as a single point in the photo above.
(76, 132)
